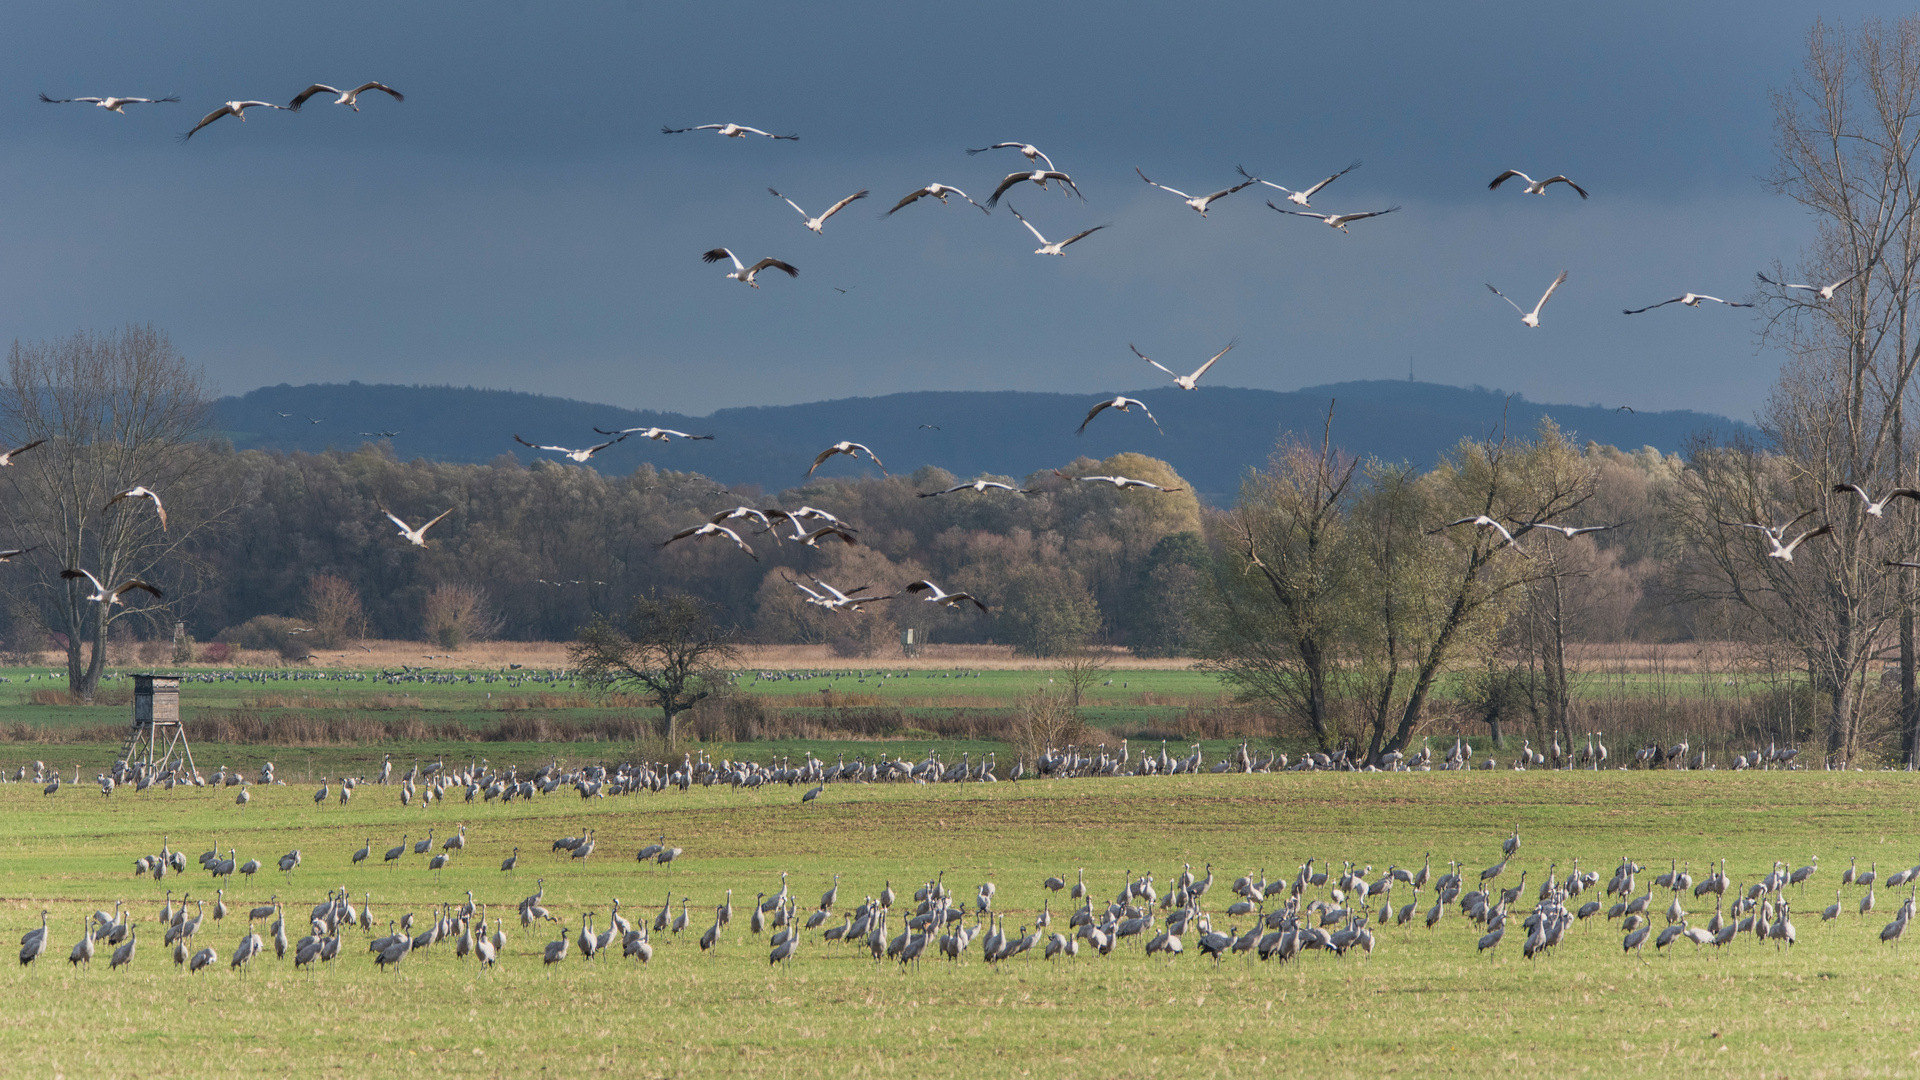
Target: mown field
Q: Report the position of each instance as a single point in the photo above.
(1837, 1003)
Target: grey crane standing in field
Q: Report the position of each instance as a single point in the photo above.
(82, 950)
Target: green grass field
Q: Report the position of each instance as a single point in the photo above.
(1838, 1002)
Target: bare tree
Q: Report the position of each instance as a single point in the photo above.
(1518, 482)
(1081, 668)
(672, 651)
(1847, 130)
(116, 410)
(333, 604)
(1281, 599)
(455, 614)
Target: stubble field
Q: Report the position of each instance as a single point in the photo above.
(1838, 1002)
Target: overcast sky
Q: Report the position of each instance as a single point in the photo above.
(521, 223)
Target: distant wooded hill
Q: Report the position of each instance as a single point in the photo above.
(1212, 435)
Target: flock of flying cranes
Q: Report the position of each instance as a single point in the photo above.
(1042, 173)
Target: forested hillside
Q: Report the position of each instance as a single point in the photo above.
(1213, 435)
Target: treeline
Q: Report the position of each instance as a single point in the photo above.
(301, 543)
(534, 552)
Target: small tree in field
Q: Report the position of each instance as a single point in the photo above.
(457, 614)
(670, 651)
(333, 604)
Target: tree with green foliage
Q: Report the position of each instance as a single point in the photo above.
(1167, 594)
(1047, 612)
(674, 652)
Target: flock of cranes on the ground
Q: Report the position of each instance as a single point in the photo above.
(1340, 912)
(481, 782)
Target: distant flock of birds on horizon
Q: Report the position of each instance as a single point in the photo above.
(1284, 918)
(426, 784)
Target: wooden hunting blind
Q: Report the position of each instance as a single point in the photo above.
(158, 739)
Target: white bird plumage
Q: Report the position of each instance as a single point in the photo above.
(980, 486)
(1051, 247)
(1692, 300)
(102, 594)
(1123, 404)
(416, 537)
(1484, 522)
(849, 448)
(1037, 176)
(937, 595)
(1184, 382)
(1122, 482)
(658, 434)
(937, 191)
(744, 273)
(817, 223)
(1824, 292)
(1299, 198)
(580, 456)
(731, 131)
(349, 98)
(1197, 202)
(710, 529)
(142, 492)
(1535, 187)
(232, 108)
(111, 104)
(1875, 507)
(1338, 221)
(1532, 318)
(1030, 151)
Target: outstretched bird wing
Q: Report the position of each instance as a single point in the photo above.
(1012, 179)
(775, 263)
(915, 195)
(316, 88)
(1203, 367)
(1343, 219)
(1650, 307)
(1091, 413)
(380, 86)
(1309, 193)
(208, 119)
(1028, 224)
(1144, 409)
(722, 253)
(70, 574)
(1076, 237)
(839, 206)
(824, 455)
(1160, 365)
(1506, 176)
(1548, 295)
(1162, 187)
(1564, 180)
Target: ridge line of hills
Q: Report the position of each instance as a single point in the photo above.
(1211, 435)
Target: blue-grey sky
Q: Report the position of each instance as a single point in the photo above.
(520, 222)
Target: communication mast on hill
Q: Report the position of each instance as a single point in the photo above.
(158, 740)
